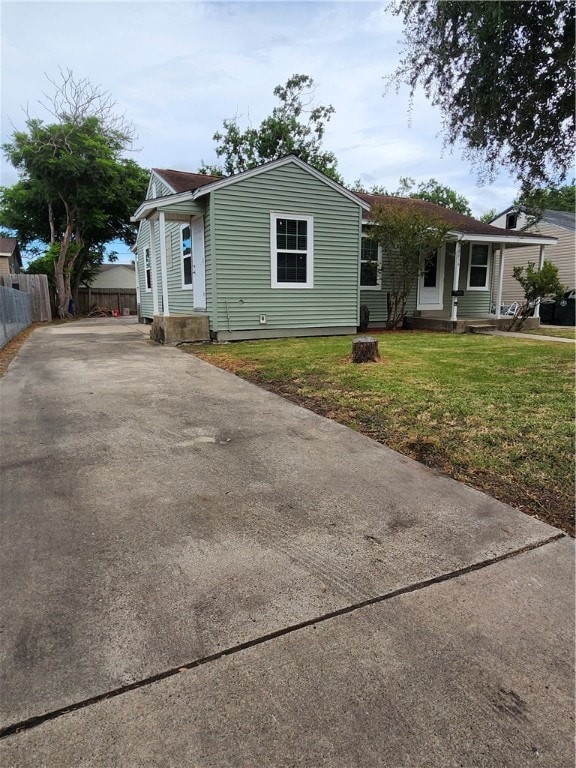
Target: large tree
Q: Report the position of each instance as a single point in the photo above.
(76, 190)
(296, 126)
(503, 75)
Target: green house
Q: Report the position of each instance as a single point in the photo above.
(273, 251)
(281, 250)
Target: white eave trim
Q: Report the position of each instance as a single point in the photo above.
(498, 238)
(289, 159)
(148, 206)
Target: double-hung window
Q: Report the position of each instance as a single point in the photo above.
(292, 250)
(478, 267)
(147, 269)
(186, 251)
(370, 264)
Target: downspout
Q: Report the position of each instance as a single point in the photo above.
(500, 280)
(456, 281)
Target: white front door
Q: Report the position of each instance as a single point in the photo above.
(431, 282)
(198, 264)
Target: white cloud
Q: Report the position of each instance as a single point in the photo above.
(179, 68)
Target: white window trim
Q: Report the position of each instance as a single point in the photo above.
(147, 270)
(488, 261)
(274, 216)
(378, 286)
(186, 286)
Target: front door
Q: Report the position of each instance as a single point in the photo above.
(198, 264)
(431, 282)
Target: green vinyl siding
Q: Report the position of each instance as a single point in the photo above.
(241, 236)
(143, 242)
(180, 300)
(473, 302)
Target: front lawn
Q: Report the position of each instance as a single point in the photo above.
(493, 412)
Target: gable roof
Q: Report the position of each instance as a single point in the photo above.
(206, 184)
(9, 247)
(459, 223)
(180, 181)
(564, 219)
(108, 267)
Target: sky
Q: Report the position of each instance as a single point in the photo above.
(178, 69)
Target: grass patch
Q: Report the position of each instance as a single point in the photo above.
(493, 412)
(560, 333)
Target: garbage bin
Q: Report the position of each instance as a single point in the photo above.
(547, 312)
(565, 313)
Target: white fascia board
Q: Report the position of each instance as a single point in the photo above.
(148, 206)
(510, 240)
(289, 159)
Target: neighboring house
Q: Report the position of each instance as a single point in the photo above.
(10, 258)
(559, 224)
(279, 251)
(119, 276)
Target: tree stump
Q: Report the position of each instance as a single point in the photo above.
(365, 350)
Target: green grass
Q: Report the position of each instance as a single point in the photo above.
(493, 412)
(562, 333)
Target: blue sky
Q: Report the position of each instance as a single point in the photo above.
(177, 69)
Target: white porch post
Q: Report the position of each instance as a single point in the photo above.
(456, 281)
(155, 303)
(163, 265)
(500, 279)
(540, 264)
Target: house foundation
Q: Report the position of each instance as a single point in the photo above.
(179, 329)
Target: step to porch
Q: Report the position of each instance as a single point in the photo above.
(480, 327)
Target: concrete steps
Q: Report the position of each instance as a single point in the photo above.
(480, 328)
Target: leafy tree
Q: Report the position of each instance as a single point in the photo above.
(503, 75)
(76, 190)
(409, 237)
(296, 126)
(549, 198)
(434, 192)
(489, 215)
(536, 284)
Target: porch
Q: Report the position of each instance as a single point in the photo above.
(438, 321)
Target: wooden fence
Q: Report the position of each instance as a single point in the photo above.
(107, 299)
(37, 287)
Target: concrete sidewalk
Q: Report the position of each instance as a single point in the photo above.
(205, 574)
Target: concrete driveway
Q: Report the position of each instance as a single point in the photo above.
(196, 572)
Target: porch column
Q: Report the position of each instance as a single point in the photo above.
(500, 279)
(163, 264)
(540, 264)
(456, 281)
(154, 271)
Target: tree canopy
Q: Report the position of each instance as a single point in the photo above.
(502, 74)
(551, 198)
(296, 126)
(76, 190)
